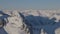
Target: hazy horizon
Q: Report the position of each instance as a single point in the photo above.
(29, 4)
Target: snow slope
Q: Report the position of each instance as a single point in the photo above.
(31, 22)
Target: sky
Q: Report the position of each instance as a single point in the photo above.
(29, 4)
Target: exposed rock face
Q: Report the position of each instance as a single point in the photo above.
(1, 23)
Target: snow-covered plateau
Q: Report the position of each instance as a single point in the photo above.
(29, 21)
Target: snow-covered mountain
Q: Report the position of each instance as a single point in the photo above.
(30, 22)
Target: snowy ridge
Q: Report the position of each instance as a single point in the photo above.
(32, 21)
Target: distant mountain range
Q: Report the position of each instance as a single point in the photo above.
(30, 21)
